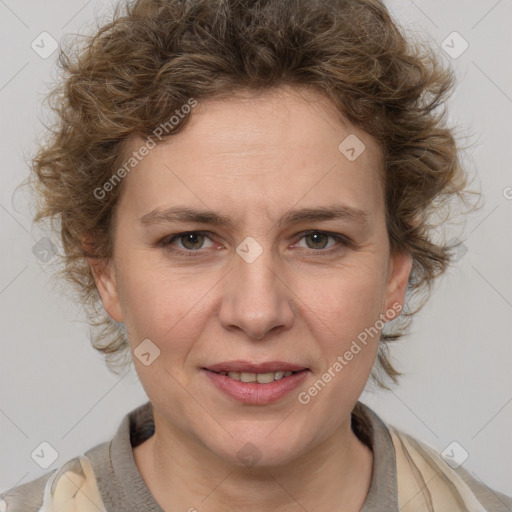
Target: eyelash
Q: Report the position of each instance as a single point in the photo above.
(166, 242)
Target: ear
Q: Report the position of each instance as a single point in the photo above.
(106, 282)
(398, 276)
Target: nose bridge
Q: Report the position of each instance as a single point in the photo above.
(255, 297)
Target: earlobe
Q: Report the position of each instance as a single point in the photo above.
(106, 282)
(400, 270)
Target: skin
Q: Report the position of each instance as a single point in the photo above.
(252, 159)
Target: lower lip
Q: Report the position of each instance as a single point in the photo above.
(254, 393)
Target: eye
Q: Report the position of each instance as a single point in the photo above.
(191, 241)
(319, 239)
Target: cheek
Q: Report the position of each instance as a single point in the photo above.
(347, 329)
(346, 302)
(161, 305)
(172, 307)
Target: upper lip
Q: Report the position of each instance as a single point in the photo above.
(249, 367)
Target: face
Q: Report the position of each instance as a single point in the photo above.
(290, 266)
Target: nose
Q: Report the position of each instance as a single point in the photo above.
(256, 298)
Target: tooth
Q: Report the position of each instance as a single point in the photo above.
(262, 378)
(265, 378)
(247, 377)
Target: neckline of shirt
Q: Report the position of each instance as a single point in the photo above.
(137, 426)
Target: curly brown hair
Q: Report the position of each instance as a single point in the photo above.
(153, 56)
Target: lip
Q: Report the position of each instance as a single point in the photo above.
(248, 367)
(252, 393)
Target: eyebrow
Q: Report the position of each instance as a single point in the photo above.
(185, 214)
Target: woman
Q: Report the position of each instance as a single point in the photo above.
(244, 189)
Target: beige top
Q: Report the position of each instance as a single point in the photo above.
(407, 476)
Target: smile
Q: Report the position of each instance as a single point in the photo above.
(261, 378)
(256, 388)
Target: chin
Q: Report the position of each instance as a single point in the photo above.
(256, 448)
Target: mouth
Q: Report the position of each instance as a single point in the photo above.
(262, 373)
(256, 383)
(260, 378)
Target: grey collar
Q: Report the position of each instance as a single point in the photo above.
(122, 488)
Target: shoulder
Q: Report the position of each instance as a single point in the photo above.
(27, 497)
(425, 477)
(73, 484)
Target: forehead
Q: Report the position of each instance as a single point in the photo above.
(265, 150)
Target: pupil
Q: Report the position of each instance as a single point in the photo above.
(191, 237)
(315, 235)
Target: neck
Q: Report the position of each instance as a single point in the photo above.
(182, 474)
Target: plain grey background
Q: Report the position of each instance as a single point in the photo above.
(457, 386)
